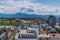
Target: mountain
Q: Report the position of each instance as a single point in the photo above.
(23, 15)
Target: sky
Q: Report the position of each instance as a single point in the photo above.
(38, 7)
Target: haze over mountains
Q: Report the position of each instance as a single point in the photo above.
(24, 15)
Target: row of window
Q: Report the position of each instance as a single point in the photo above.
(27, 36)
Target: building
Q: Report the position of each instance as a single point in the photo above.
(26, 35)
(4, 36)
(59, 21)
(49, 37)
(51, 20)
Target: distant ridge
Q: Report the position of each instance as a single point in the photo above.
(23, 15)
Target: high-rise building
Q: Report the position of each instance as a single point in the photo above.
(59, 21)
(52, 20)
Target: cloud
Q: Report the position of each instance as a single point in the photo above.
(25, 6)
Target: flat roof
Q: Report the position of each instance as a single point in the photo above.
(24, 32)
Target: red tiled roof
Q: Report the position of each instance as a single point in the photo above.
(9, 34)
(56, 36)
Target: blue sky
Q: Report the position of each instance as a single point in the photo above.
(38, 7)
(48, 2)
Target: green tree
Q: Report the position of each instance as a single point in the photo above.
(3, 30)
(58, 30)
(10, 19)
(14, 24)
(2, 22)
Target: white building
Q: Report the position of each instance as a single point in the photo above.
(25, 35)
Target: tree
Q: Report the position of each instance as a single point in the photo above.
(3, 30)
(58, 30)
(10, 19)
(2, 22)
